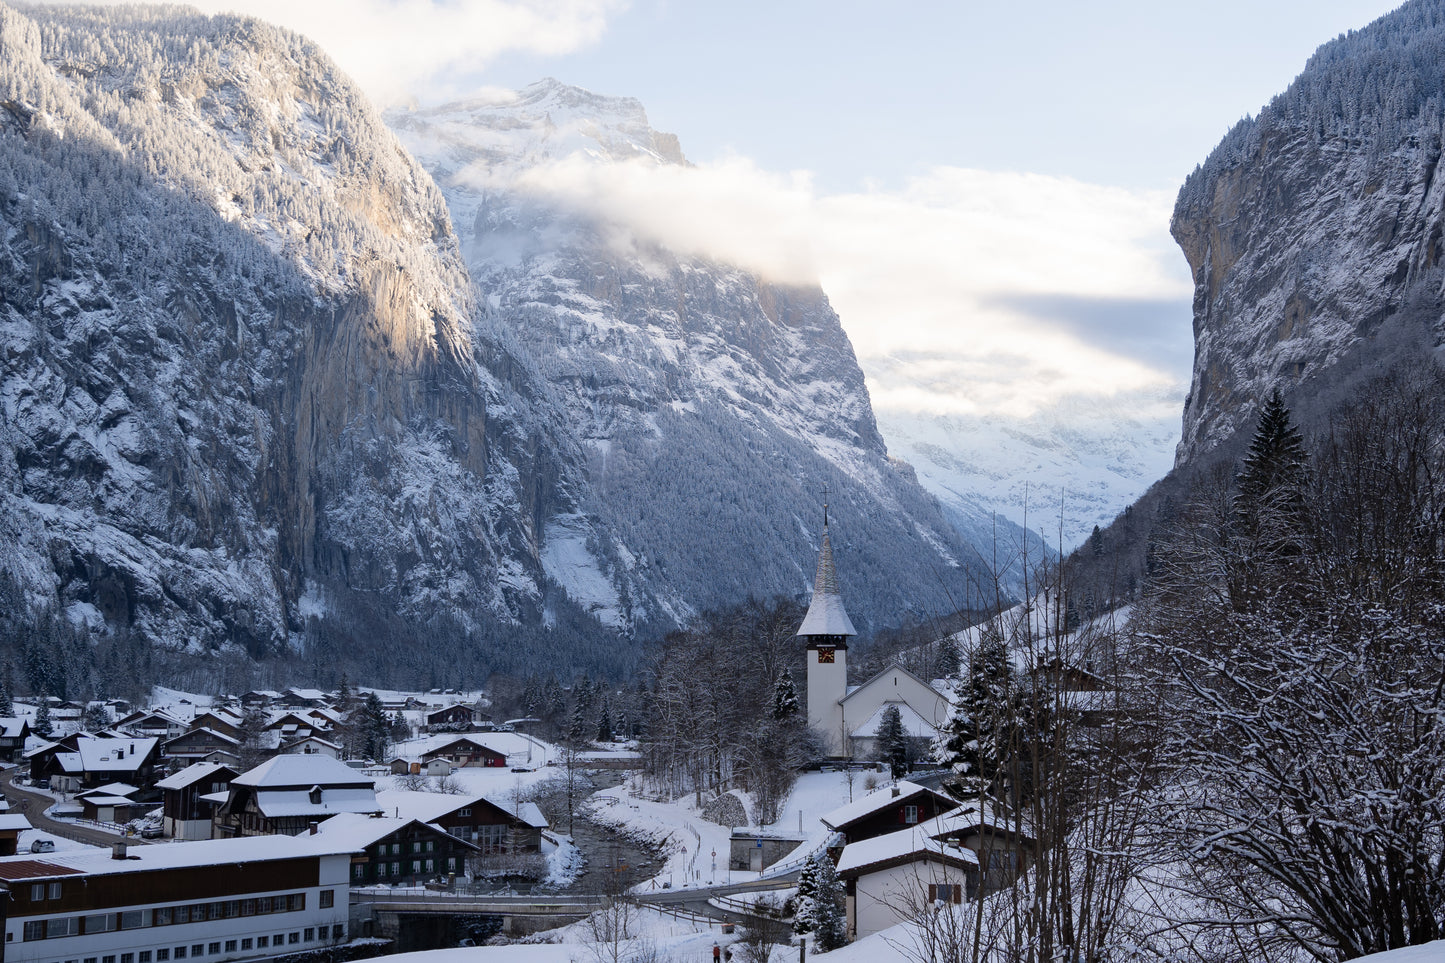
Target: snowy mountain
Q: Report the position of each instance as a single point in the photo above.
(1060, 471)
(712, 404)
(1314, 230)
(245, 404)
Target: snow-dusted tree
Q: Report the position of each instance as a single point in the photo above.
(785, 697)
(1303, 729)
(7, 705)
(96, 718)
(804, 902)
(830, 919)
(892, 741)
(42, 726)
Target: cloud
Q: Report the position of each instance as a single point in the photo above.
(966, 292)
(395, 47)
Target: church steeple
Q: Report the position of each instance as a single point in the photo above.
(826, 615)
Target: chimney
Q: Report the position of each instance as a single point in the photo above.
(117, 851)
(897, 792)
(312, 826)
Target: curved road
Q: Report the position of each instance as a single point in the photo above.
(32, 806)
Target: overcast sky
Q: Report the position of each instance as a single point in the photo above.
(983, 190)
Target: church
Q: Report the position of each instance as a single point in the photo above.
(847, 717)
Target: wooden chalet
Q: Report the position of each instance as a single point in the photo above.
(465, 751)
(888, 810)
(11, 826)
(396, 851)
(203, 745)
(450, 716)
(13, 733)
(490, 827)
(186, 812)
(286, 793)
(81, 761)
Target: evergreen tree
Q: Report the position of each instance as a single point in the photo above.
(577, 728)
(42, 726)
(805, 910)
(1276, 458)
(830, 920)
(892, 741)
(785, 697)
(374, 727)
(975, 738)
(7, 705)
(96, 717)
(604, 724)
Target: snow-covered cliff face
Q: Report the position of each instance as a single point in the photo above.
(1315, 230)
(238, 366)
(712, 406)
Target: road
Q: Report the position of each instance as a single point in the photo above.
(32, 806)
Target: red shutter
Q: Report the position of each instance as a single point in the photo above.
(932, 892)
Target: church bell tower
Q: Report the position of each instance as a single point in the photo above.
(826, 630)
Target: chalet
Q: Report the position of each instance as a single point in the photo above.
(111, 803)
(219, 720)
(474, 818)
(11, 826)
(211, 900)
(288, 792)
(895, 877)
(81, 761)
(291, 725)
(312, 746)
(186, 813)
(13, 733)
(465, 751)
(1003, 849)
(152, 723)
(888, 810)
(449, 716)
(203, 745)
(294, 698)
(259, 698)
(395, 851)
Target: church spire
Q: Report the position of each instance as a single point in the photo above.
(826, 615)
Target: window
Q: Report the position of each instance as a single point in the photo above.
(65, 926)
(416, 846)
(214, 948)
(279, 939)
(54, 891)
(310, 934)
(428, 865)
(298, 901)
(160, 917)
(100, 923)
(337, 931)
(91, 959)
(34, 930)
(144, 957)
(261, 942)
(355, 873)
(180, 952)
(246, 943)
(162, 955)
(467, 811)
(248, 907)
(294, 937)
(431, 845)
(396, 869)
(37, 892)
(492, 839)
(328, 898)
(910, 814)
(230, 946)
(108, 959)
(945, 893)
(233, 908)
(415, 866)
(127, 958)
(263, 905)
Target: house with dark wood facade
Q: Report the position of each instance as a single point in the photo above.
(81, 761)
(286, 793)
(493, 828)
(186, 813)
(396, 851)
(13, 733)
(465, 751)
(888, 810)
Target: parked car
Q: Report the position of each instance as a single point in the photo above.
(150, 831)
(43, 846)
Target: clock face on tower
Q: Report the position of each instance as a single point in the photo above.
(825, 654)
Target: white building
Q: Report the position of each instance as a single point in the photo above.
(893, 878)
(214, 900)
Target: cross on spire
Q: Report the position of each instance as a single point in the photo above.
(825, 506)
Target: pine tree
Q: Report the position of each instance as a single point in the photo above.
(1276, 457)
(892, 741)
(375, 728)
(785, 697)
(42, 726)
(7, 705)
(830, 926)
(805, 908)
(604, 724)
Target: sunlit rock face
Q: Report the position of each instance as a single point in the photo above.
(1314, 230)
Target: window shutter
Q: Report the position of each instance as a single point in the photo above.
(932, 892)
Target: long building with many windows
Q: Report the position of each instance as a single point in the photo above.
(208, 901)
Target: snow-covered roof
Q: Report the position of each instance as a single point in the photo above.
(107, 800)
(531, 814)
(278, 803)
(305, 771)
(191, 774)
(112, 789)
(106, 755)
(900, 846)
(203, 730)
(356, 831)
(204, 852)
(969, 816)
(309, 694)
(424, 806)
(215, 798)
(316, 739)
(826, 615)
(913, 723)
(10, 727)
(12, 822)
(872, 803)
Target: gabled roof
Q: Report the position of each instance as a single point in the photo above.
(904, 846)
(970, 817)
(93, 754)
(279, 803)
(878, 800)
(193, 774)
(302, 772)
(356, 831)
(112, 789)
(826, 615)
(894, 667)
(913, 723)
(12, 728)
(203, 730)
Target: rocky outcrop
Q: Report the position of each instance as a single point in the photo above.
(1314, 230)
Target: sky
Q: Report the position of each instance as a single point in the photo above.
(983, 190)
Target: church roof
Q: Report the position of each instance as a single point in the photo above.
(826, 615)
